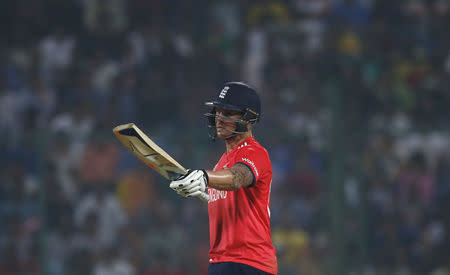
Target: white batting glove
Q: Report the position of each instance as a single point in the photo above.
(193, 184)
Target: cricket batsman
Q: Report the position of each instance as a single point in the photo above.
(238, 187)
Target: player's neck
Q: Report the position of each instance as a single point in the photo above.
(236, 140)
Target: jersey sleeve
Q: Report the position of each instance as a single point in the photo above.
(255, 159)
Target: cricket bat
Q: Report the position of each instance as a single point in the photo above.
(148, 152)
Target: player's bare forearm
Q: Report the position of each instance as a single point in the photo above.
(230, 179)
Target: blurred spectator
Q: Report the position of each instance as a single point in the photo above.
(267, 11)
(105, 16)
(135, 191)
(43, 104)
(355, 13)
(109, 262)
(63, 163)
(105, 207)
(126, 99)
(55, 54)
(99, 162)
(256, 56)
(415, 183)
(59, 244)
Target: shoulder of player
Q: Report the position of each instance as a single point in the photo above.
(256, 157)
(252, 148)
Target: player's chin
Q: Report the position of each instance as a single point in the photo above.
(222, 133)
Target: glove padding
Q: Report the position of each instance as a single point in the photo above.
(193, 184)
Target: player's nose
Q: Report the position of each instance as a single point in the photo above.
(220, 117)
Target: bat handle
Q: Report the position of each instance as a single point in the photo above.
(204, 197)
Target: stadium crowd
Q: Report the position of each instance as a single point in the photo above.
(73, 201)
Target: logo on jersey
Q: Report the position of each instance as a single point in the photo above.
(246, 160)
(243, 145)
(224, 92)
(215, 194)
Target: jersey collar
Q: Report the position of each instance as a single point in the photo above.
(240, 145)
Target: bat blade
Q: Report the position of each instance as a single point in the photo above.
(148, 152)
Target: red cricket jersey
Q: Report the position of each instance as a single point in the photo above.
(239, 220)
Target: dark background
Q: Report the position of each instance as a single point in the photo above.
(355, 95)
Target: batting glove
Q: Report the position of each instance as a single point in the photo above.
(193, 184)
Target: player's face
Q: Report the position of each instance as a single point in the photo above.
(225, 122)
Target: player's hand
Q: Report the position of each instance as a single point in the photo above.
(193, 184)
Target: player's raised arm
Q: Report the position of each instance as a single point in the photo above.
(195, 183)
(231, 179)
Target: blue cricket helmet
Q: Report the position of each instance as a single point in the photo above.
(235, 96)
